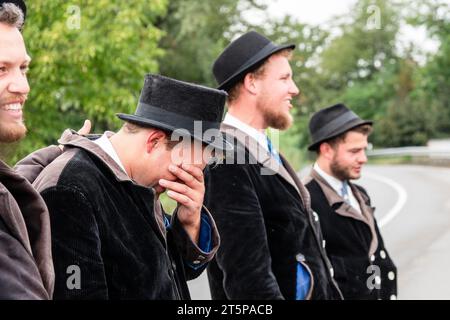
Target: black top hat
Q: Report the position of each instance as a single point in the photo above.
(171, 104)
(241, 55)
(19, 3)
(330, 122)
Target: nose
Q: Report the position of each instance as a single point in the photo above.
(294, 89)
(363, 157)
(19, 84)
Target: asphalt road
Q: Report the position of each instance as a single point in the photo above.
(413, 211)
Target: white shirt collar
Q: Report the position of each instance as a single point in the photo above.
(260, 137)
(335, 183)
(107, 146)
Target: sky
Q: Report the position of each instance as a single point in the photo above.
(321, 11)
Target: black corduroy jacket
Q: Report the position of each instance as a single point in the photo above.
(107, 230)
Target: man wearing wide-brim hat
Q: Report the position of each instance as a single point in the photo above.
(362, 265)
(111, 238)
(271, 244)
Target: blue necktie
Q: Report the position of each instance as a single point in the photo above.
(273, 151)
(344, 192)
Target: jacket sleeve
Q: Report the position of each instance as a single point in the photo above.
(32, 165)
(244, 255)
(19, 275)
(76, 245)
(196, 256)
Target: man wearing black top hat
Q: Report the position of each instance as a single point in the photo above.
(362, 265)
(26, 269)
(271, 244)
(111, 238)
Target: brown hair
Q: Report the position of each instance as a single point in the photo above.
(365, 129)
(134, 128)
(11, 15)
(258, 71)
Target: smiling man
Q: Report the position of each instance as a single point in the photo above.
(363, 267)
(26, 270)
(271, 246)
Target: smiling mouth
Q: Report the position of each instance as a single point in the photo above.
(14, 107)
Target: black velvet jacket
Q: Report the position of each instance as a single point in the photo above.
(110, 232)
(266, 225)
(363, 267)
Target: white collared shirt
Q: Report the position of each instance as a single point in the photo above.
(260, 137)
(107, 146)
(336, 184)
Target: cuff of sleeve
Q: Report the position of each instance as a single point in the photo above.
(197, 255)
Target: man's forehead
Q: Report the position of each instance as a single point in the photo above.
(12, 46)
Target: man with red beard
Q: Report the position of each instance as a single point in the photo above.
(271, 244)
(26, 269)
(363, 268)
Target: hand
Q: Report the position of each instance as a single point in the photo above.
(188, 191)
(85, 129)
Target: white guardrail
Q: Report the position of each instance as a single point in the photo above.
(435, 153)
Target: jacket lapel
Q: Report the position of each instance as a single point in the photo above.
(347, 210)
(368, 213)
(270, 164)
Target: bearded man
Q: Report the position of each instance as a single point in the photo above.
(26, 269)
(271, 244)
(362, 265)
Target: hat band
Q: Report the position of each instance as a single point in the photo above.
(336, 123)
(176, 120)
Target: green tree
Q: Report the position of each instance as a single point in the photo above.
(196, 33)
(89, 59)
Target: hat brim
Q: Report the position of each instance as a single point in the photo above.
(352, 124)
(228, 83)
(217, 143)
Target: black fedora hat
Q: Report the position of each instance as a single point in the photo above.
(186, 108)
(18, 3)
(330, 122)
(242, 55)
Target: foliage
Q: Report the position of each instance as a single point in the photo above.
(89, 60)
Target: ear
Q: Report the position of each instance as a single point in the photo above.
(326, 150)
(155, 138)
(250, 83)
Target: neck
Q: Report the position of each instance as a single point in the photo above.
(249, 114)
(325, 166)
(125, 150)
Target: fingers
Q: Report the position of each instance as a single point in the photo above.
(86, 128)
(176, 186)
(181, 198)
(188, 173)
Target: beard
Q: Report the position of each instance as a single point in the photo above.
(342, 172)
(11, 132)
(277, 119)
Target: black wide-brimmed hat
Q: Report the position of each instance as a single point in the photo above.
(19, 3)
(330, 122)
(190, 109)
(241, 56)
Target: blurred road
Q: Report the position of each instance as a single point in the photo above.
(413, 210)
